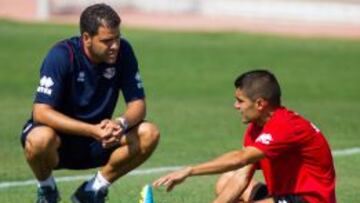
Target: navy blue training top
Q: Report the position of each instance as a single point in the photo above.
(74, 86)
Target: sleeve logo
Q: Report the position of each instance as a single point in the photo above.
(264, 138)
(45, 85)
(138, 79)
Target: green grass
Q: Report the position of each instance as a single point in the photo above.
(188, 79)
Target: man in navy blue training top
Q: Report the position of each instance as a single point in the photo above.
(72, 126)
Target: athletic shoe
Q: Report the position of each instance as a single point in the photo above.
(47, 195)
(82, 196)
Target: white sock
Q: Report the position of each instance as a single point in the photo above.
(50, 181)
(97, 182)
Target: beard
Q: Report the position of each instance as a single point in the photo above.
(100, 56)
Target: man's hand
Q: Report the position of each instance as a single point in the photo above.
(115, 133)
(100, 131)
(107, 133)
(173, 179)
(117, 129)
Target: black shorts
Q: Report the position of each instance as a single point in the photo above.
(261, 192)
(76, 152)
(289, 199)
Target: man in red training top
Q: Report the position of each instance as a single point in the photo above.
(292, 153)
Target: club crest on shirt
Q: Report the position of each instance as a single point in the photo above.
(264, 138)
(109, 72)
(81, 77)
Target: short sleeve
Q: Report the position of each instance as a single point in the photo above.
(53, 73)
(276, 141)
(247, 136)
(248, 141)
(130, 82)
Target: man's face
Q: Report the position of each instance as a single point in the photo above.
(104, 46)
(248, 109)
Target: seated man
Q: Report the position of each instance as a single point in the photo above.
(71, 125)
(292, 153)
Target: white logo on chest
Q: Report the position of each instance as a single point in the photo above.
(264, 138)
(81, 77)
(109, 72)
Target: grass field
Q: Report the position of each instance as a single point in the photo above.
(189, 84)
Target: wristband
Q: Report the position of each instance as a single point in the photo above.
(123, 123)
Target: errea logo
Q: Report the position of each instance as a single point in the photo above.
(264, 138)
(45, 85)
(138, 79)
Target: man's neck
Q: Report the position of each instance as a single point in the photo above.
(89, 55)
(267, 114)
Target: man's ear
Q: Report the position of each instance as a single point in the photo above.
(86, 39)
(261, 104)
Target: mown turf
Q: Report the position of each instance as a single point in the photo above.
(189, 84)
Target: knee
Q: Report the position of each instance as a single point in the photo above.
(222, 181)
(149, 137)
(41, 140)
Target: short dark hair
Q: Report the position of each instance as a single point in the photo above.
(98, 15)
(260, 84)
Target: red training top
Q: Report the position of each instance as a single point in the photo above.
(297, 157)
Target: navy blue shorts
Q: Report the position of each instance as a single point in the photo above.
(76, 152)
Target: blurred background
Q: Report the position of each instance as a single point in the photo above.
(300, 17)
(189, 53)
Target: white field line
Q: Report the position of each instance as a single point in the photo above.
(336, 153)
(85, 177)
(346, 152)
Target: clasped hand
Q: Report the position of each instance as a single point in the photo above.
(109, 133)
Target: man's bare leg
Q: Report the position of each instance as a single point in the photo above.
(137, 146)
(41, 151)
(247, 195)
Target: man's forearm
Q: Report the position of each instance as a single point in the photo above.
(135, 112)
(227, 162)
(46, 115)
